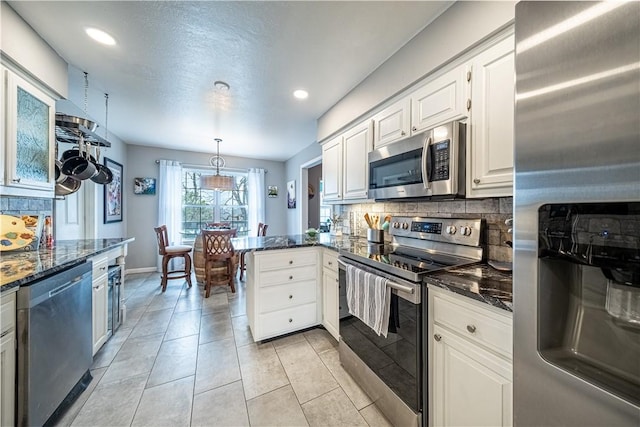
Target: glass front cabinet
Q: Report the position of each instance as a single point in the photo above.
(29, 130)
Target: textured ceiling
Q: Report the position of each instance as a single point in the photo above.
(160, 74)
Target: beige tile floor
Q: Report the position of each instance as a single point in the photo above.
(183, 360)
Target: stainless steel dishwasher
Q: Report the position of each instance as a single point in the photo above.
(54, 343)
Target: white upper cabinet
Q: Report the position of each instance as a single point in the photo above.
(332, 169)
(392, 124)
(29, 123)
(345, 169)
(492, 116)
(442, 99)
(357, 144)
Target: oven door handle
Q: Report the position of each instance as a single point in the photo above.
(392, 285)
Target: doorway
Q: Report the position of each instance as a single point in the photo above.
(310, 194)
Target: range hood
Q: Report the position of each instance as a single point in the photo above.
(70, 125)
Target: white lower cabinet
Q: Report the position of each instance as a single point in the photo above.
(470, 363)
(330, 290)
(99, 302)
(283, 292)
(8, 359)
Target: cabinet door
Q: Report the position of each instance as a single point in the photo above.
(392, 124)
(330, 302)
(439, 101)
(8, 378)
(99, 306)
(332, 169)
(492, 109)
(357, 143)
(30, 135)
(471, 387)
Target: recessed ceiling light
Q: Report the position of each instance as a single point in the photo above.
(100, 36)
(301, 94)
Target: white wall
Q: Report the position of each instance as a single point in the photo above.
(23, 47)
(142, 210)
(293, 173)
(458, 29)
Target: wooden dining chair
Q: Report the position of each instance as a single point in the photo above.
(168, 252)
(262, 231)
(219, 258)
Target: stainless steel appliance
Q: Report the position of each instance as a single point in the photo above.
(391, 370)
(430, 164)
(577, 216)
(114, 311)
(54, 343)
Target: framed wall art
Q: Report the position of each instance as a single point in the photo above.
(113, 193)
(291, 194)
(144, 186)
(272, 191)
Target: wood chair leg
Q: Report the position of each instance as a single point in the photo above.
(241, 265)
(165, 273)
(231, 276)
(187, 267)
(207, 281)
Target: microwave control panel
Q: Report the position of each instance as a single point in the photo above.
(441, 157)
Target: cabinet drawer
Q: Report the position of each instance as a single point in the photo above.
(8, 313)
(100, 265)
(288, 320)
(287, 259)
(474, 323)
(330, 260)
(280, 297)
(287, 275)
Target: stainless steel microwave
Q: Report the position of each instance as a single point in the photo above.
(431, 164)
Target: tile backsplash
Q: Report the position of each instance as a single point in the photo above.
(494, 212)
(10, 205)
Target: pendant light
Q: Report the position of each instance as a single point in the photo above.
(217, 182)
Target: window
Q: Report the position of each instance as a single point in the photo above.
(200, 206)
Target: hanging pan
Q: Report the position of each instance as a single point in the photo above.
(79, 167)
(104, 175)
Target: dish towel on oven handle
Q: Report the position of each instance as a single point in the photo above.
(368, 298)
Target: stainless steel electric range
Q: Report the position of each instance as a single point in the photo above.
(392, 370)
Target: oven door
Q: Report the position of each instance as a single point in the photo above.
(397, 170)
(396, 360)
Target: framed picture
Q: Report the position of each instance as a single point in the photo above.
(291, 194)
(272, 191)
(144, 186)
(113, 193)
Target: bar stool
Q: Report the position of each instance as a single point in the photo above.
(170, 252)
(262, 231)
(219, 256)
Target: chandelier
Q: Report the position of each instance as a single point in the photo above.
(217, 182)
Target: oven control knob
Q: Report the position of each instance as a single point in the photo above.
(405, 226)
(451, 229)
(466, 231)
(396, 225)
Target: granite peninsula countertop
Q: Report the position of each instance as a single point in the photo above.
(246, 244)
(478, 281)
(18, 268)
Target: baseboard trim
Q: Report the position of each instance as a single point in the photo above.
(141, 270)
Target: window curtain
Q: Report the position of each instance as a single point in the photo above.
(170, 201)
(255, 188)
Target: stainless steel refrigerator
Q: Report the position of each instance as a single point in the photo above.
(577, 214)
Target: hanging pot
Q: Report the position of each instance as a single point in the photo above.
(59, 175)
(104, 175)
(67, 186)
(79, 167)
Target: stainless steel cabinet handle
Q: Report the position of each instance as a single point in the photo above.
(290, 320)
(290, 296)
(437, 337)
(476, 181)
(330, 263)
(414, 128)
(471, 328)
(290, 277)
(16, 179)
(290, 262)
(403, 133)
(337, 280)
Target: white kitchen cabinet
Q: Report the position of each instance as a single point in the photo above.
(99, 302)
(29, 123)
(283, 291)
(491, 121)
(7, 359)
(392, 124)
(470, 364)
(345, 167)
(442, 99)
(332, 170)
(330, 290)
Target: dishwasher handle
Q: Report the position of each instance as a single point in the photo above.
(64, 287)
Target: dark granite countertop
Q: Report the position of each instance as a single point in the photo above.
(19, 268)
(246, 244)
(478, 281)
